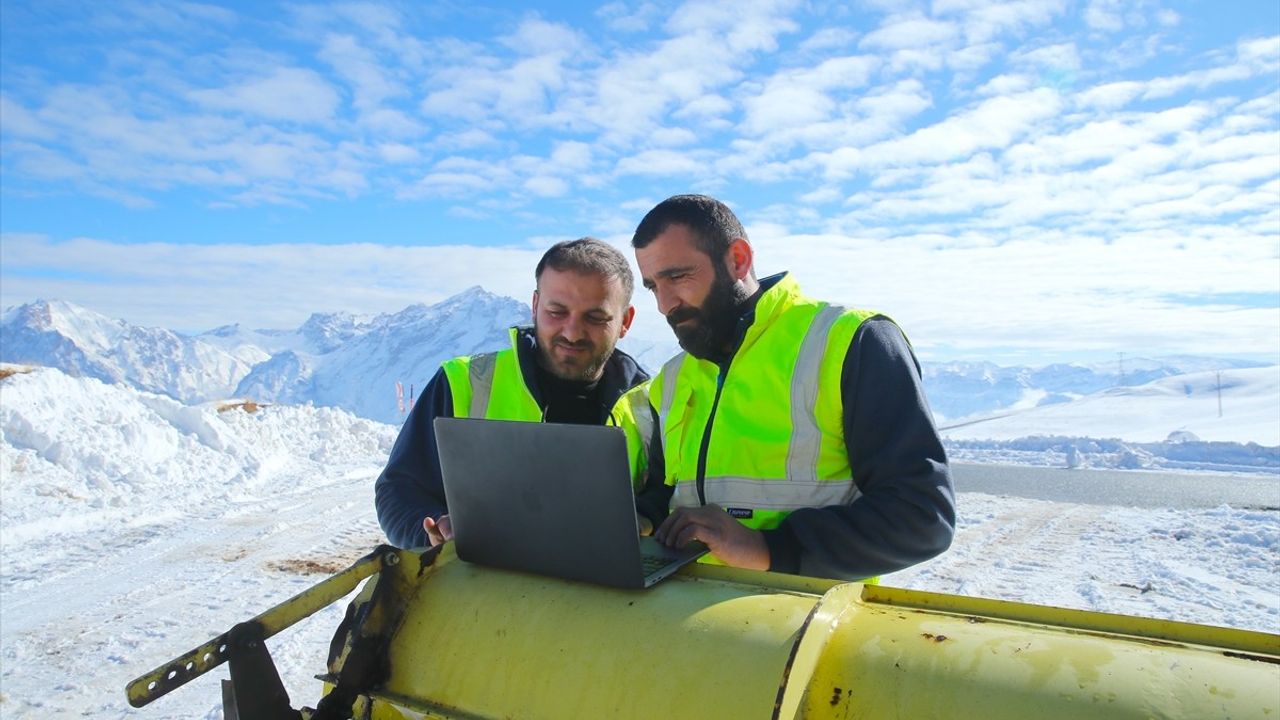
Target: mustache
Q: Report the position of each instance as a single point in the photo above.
(679, 315)
(579, 345)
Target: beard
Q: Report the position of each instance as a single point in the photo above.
(582, 366)
(705, 332)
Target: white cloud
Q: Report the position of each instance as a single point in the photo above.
(391, 123)
(20, 121)
(1040, 286)
(371, 83)
(288, 93)
(1061, 55)
(537, 37)
(987, 20)
(1110, 96)
(137, 17)
(1105, 15)
(743, 27)
(705, 108)
(910, 32)
(803, 96)
(622, 18)
(672, 137)
(1006, 85)
(829, 38)
(446, 184)
(546, 186)
(571, 156)
(662, 162)
(464, 139)
(994, 123)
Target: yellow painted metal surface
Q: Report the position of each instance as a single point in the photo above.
(497, 644)
(716, 642)
(902, 662)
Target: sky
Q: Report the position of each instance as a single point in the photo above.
(1022, 182)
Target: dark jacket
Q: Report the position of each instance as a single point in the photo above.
(409, 488)
(905, 512)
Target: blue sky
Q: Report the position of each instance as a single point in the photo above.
(1024, 181)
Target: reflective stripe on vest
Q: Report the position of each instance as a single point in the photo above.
(790, 494)
(802, 457)
(491, 386)
(671, 370)
(633, 414)
(480, 372)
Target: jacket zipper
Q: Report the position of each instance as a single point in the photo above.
(706, 436)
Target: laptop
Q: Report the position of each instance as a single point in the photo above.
(550, 499)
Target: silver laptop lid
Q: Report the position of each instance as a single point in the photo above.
(545, 498)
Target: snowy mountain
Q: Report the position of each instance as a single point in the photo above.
(82, 342)
(334, 359)
(342, 360)
(363, 362)
(959, 390)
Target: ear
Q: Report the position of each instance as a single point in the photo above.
(534, 304)
(739, 258)
(627, 316)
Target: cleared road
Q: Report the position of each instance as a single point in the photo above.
(1131, 488)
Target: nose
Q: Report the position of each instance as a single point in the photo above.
(667, 300)
(573, 329)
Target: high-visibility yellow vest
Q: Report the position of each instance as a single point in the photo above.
(775, 419)
(492, 386)
(632, 414)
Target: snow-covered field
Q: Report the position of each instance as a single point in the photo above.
(1180, 406)
(133, 528)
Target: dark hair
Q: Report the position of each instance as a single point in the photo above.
(714, 225)
(589, 256)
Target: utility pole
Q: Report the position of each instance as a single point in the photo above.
(1219, 374)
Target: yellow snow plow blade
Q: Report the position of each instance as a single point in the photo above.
(455, 640)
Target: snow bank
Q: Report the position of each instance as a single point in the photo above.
(76, 450)
(1244, 411)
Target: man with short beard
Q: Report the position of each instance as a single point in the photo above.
(791, 435)
(563, 369)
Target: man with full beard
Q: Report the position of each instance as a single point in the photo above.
(791, 435)
(563, 369)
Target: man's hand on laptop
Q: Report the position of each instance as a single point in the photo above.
(729, 540)
(438, 531)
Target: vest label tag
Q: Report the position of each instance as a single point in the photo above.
(740, 513)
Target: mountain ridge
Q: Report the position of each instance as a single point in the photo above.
(354, 362)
